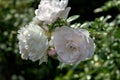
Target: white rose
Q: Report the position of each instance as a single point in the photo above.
(49, 10)
(72, 45)
(33, 43)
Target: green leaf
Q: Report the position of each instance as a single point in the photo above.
(76, 25)
(72, 18)
(117, 33)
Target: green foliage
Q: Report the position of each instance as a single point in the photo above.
(109, 5)
(104, 65)
(72, 18)
(112, 4)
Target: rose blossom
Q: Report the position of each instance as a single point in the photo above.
(72, 45)
(33, 43)
(49, 10)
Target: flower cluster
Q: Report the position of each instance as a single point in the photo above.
(37, 40)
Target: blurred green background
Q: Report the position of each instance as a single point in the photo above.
(100, 17)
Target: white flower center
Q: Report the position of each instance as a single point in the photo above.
(72, 45)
